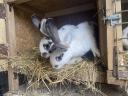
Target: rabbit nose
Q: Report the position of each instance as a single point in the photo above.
(44, 54)
(56, 66)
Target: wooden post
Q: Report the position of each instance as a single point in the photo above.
(102, 30)
(118, 29)
(3, 40)
(17, 1)
(11, 39)
(110, 37)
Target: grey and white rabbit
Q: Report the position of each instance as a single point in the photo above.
(82, 40)
(46, 44)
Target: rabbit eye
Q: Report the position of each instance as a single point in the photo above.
(46, 46)
(59, 58)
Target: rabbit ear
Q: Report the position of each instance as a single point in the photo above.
(35, 21)
(52, 32)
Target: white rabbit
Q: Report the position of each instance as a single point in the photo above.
(125, 40)
(46, 44)
(82, 41)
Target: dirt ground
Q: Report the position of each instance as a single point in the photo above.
(73, 90)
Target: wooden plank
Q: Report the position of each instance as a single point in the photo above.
(30, 10)
(119, 35)
(11, 39)
(2, 32)
(110, 41)
(113, 80)
(1, 1)
(17, 1)
(76, 9)
(102, 31)
(11, 35)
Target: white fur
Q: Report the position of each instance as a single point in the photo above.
(125, 35)
(65, 34)
(82, 40)
(42, 49)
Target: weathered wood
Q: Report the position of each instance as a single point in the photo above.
(102, 31)
(1, 1)
(11, 35)
(17, 1)
(118, 30)
(11, 39)
(3, 41)
(2, 32)
(113, 80)
(110, 39)
(3, 50)
(85, 7)
(2, 11)
(30, 10)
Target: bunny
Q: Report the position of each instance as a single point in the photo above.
(82, 41)
(125, 38)
(49, 29)
(46, 44)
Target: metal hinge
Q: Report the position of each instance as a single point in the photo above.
(112, 20)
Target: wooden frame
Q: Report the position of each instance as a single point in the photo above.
(110, 40)
(17, 1)
(70, 10)
(10, 27)
(11, 39)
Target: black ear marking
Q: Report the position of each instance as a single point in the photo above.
(59, 58)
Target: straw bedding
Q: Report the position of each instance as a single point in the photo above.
(38, 70)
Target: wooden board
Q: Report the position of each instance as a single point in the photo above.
(17, 1)
(2, 31)
(81, 8)
(102, 31)
(1, 1)
(113, 80)
(119, 35)
(10, 26)
(110, 37)
(54, 5)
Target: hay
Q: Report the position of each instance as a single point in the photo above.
(39, 71)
